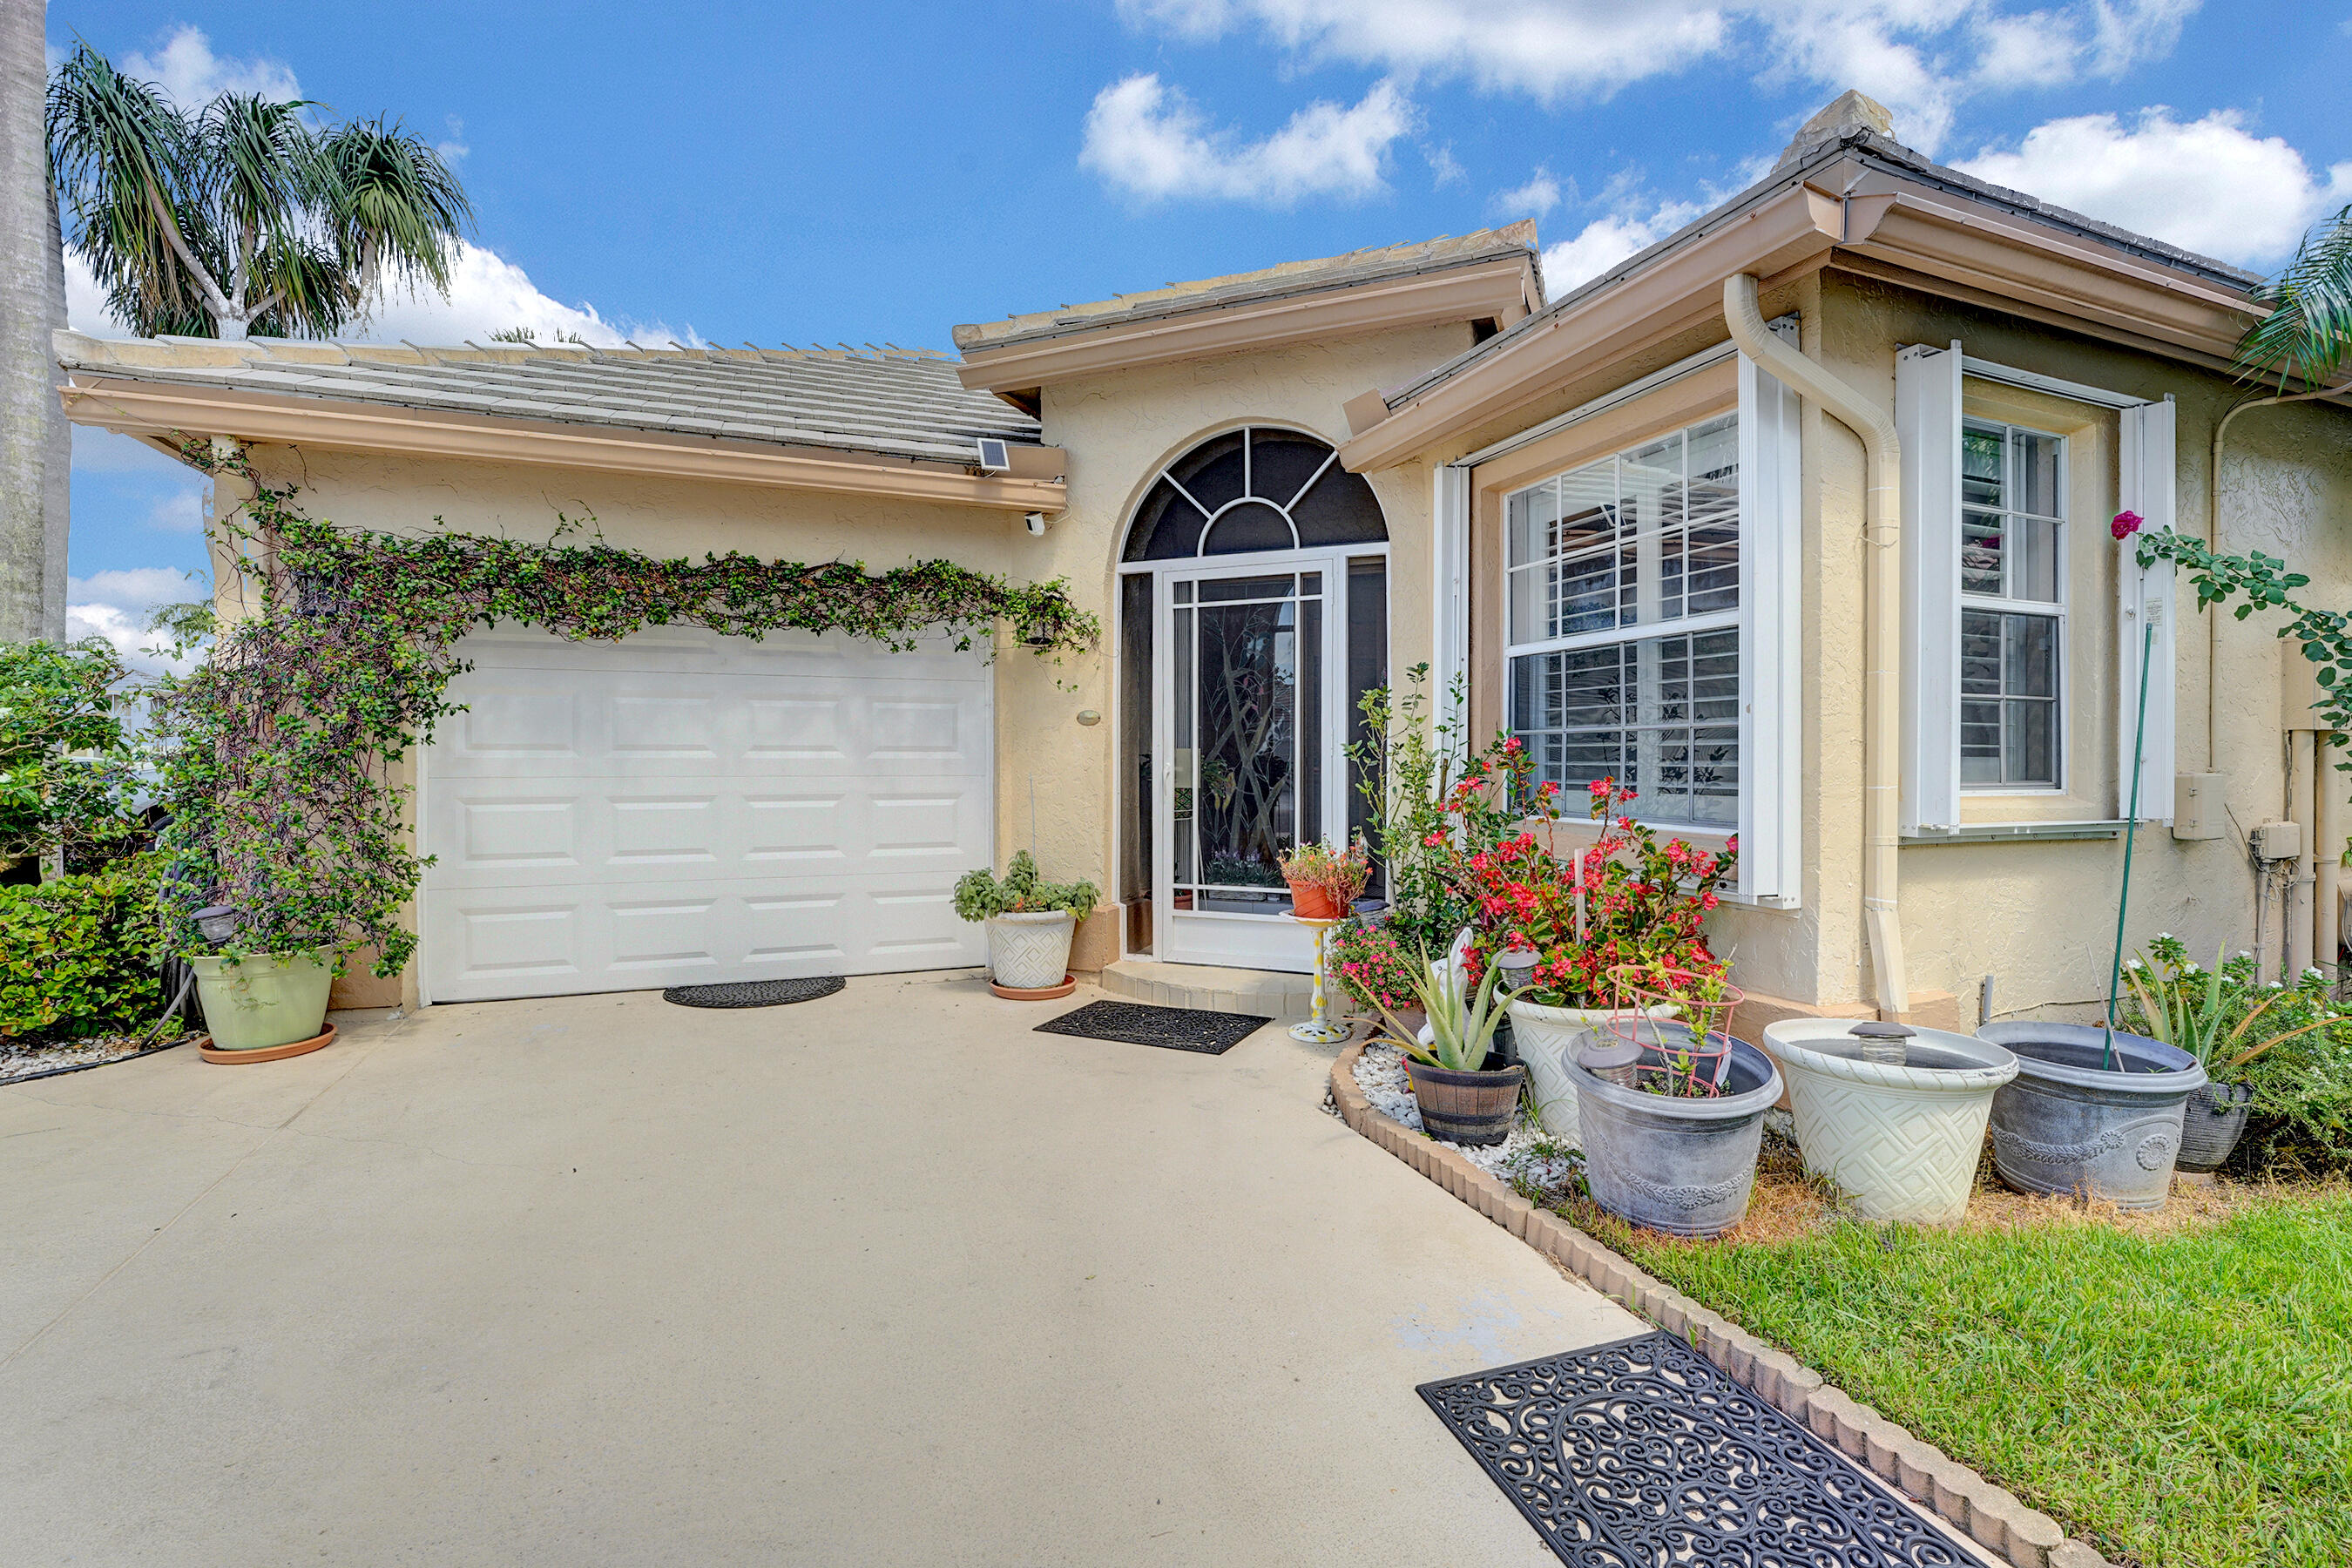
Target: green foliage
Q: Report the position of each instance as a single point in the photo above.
(978, 896)
(279, 755)
(1432, 805)
(66, 769)
(1370, 964)
(1341, 873)
(244, 212)
(2293, 1043)
(1463, 1015)
(2306, 331)
(81, 954)
(2261, 582)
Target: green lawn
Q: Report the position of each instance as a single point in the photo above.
(2180, 1398)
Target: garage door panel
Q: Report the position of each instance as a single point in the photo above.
(683, 808)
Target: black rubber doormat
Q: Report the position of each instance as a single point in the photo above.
(1644, 1453)
(1176, 1028)
(753, 993)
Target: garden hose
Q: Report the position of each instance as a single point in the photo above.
(2131, 825)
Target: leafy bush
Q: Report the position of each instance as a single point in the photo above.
(978, 896)
(81, 954)
(66, 769)
(2301, 1118)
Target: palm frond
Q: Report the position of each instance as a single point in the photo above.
(2306, 335)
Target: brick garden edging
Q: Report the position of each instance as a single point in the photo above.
(1985, 1513)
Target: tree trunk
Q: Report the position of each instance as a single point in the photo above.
(34, 444)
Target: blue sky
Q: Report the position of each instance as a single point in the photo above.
(880, 172)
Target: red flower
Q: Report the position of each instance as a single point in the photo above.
(2126, 524)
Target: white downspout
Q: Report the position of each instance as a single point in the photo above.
(1882, 623)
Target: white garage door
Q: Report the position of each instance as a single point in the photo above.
(681, 808)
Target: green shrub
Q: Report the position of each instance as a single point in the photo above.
(978, 896)
(79, 955)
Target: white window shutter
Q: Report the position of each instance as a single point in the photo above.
(1771, 662)
(2145, 601)
(1928, 419)
(1449, 576)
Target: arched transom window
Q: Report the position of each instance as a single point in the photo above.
(1257, 487)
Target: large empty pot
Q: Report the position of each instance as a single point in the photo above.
(2072, 1122)
(1683, 1166)
(1896, 1116)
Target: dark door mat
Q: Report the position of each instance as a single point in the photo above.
(1643, 1452)
(753, 993)
(1176, 1028)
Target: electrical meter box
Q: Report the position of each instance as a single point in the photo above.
(2278, 840)
(2197, 806)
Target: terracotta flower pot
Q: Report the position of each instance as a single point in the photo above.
(1309, 902)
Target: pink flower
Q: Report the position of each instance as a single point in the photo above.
(2126, 524)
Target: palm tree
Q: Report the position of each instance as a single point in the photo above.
(36, 446)
(244, 216)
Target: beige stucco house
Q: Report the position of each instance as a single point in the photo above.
(1797, 520)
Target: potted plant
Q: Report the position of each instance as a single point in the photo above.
(1671, 1130)
(1464, 1097)
(1623, 899)
(1325, 882)
(1030, 922)
(2192, 1009)
(1370, 965)
(260, 1001)
(1895, 1116)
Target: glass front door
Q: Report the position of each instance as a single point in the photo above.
(1254, 663)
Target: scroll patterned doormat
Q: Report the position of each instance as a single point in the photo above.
(1644, 1454)
(1174, 1028)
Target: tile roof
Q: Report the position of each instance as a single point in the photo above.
(901, 403)
(1291, 278)
(1872, 148)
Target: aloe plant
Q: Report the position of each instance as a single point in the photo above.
(1462, 1022)
(2177, 1012)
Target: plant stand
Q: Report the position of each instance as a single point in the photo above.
(1318, 1029)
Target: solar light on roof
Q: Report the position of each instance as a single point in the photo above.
(994, 458)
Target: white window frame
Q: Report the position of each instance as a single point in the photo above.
(1768, 620)
(2048, 609)
(1929, 418)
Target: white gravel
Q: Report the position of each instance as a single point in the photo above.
(20, 1061)
(1526, 1153)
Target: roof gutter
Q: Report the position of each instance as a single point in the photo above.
(1882, 623)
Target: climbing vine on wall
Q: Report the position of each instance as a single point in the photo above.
(2260, 582)
(280, 752)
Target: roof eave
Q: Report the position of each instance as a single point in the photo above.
(1879, 221)
(1501, 287)
(163, 410)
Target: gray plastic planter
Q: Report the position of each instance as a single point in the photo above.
(2066, 1124)
(2211, 1123)
(1683, 1166)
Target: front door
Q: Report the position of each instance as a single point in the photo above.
(1252, 658)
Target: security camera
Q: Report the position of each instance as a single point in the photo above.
(1036, 524)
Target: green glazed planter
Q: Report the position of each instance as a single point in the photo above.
(269, 1000)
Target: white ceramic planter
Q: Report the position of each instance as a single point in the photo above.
(272, 999)
(1545, 1037)
(1030, 952)
(1902, 1141)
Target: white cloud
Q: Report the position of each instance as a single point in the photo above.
(182, 512)
(1146, 140)
(1538, 195)
(97, 451)
(115, 606)
(191, 76)
(488, 293)
(2209, 184)
(1921, 57)
(1445, 169)
(454, 148)
(1608, 240)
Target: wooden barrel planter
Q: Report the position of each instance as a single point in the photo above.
(1471, 1108)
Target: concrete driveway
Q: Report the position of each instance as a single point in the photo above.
(883, 1279)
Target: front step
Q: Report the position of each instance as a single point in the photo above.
(1263, 993)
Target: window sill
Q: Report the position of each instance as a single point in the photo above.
(2014, 832)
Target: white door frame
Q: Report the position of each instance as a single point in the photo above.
(1242, 941)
